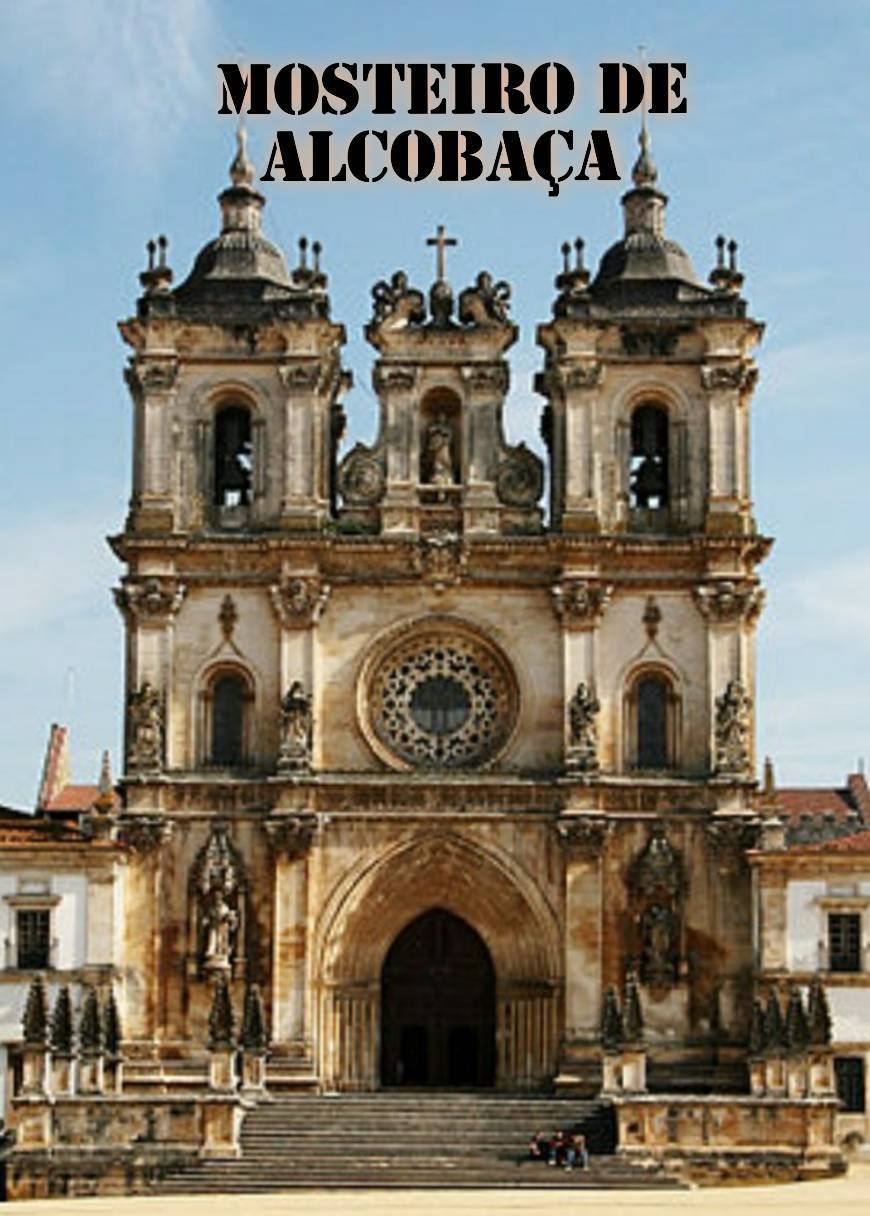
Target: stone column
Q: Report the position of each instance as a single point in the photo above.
(583, 837)
(290, 839)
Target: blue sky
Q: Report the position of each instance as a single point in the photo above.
(111, 136)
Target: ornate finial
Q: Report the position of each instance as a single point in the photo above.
(769, 787)
(644, 173)
(105, 799)
(578, 255)
(241, 170)
(157, 276)
(441, 242)
(566, 257)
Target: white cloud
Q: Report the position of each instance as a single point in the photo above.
(53, 566)
(812, 373)
(826, 605)
(125, 72)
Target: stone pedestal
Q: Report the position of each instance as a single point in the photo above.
(90, 1073)
(820, 1069)
(775, 1076)
(34, 1072)
(62, 1074)
(253, 1071)
(113, 1075)
(633, 1060)
(222, 1070)
(221, 1129)
(611, 1073)
(757, 1077)
(796, 1078)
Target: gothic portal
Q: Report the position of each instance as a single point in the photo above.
(432, 767)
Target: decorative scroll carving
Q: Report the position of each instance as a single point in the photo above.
(580, 375)
(730, 838)
(394, 376)
(218, 888)
(291, 836)
(485, 304)
(728, 376)
(144, 833)
(296, 730)
(153, 375)
(441, 559)
(724, 601)
(395, 304)
(486, 377)
(650, 342)
(299, 602)
(581, 755)
(579, 601)
(301, 377)
(361, 481)
(519, 480)
(583, 834)
(657, 887)
(733, 730)
(145, 725)
(155, 599)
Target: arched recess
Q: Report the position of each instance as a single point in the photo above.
(652, 726)
(379, 897)
(652, 448)
(225, 717)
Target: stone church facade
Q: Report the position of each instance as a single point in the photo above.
(430, 784)
(363, 688)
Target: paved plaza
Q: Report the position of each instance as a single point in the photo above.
(840, 1197)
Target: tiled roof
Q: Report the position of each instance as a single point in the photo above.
(815, 815)
(73, 798)
(857, 842)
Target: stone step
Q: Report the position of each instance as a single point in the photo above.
(410, 1140)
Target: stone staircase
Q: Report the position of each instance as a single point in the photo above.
(410, 1139)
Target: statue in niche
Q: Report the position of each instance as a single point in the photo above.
(732, 730)
(146, 729)
(439, 452)
(218, 888)
(583, 710)
(659, 959)
(296, 730)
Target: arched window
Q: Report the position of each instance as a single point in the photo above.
(652, 724)
(226, 720)
(648, 466)
(232, 457)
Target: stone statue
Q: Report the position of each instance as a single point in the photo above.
(218, 888)
(582, 751)
(660, 950)
(221, 922)
(733, 730)
(395, 304)
(439, 453)
(486, 303)
(146, 730)
(296, 729)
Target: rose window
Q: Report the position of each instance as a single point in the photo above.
(441, 699)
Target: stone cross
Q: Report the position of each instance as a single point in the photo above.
(441, 242)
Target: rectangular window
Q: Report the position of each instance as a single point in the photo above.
(844, 941)
(849, 1071)
(34, 939)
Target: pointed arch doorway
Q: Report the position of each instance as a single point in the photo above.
(438, 1006)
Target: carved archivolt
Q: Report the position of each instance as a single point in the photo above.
(439, 697)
